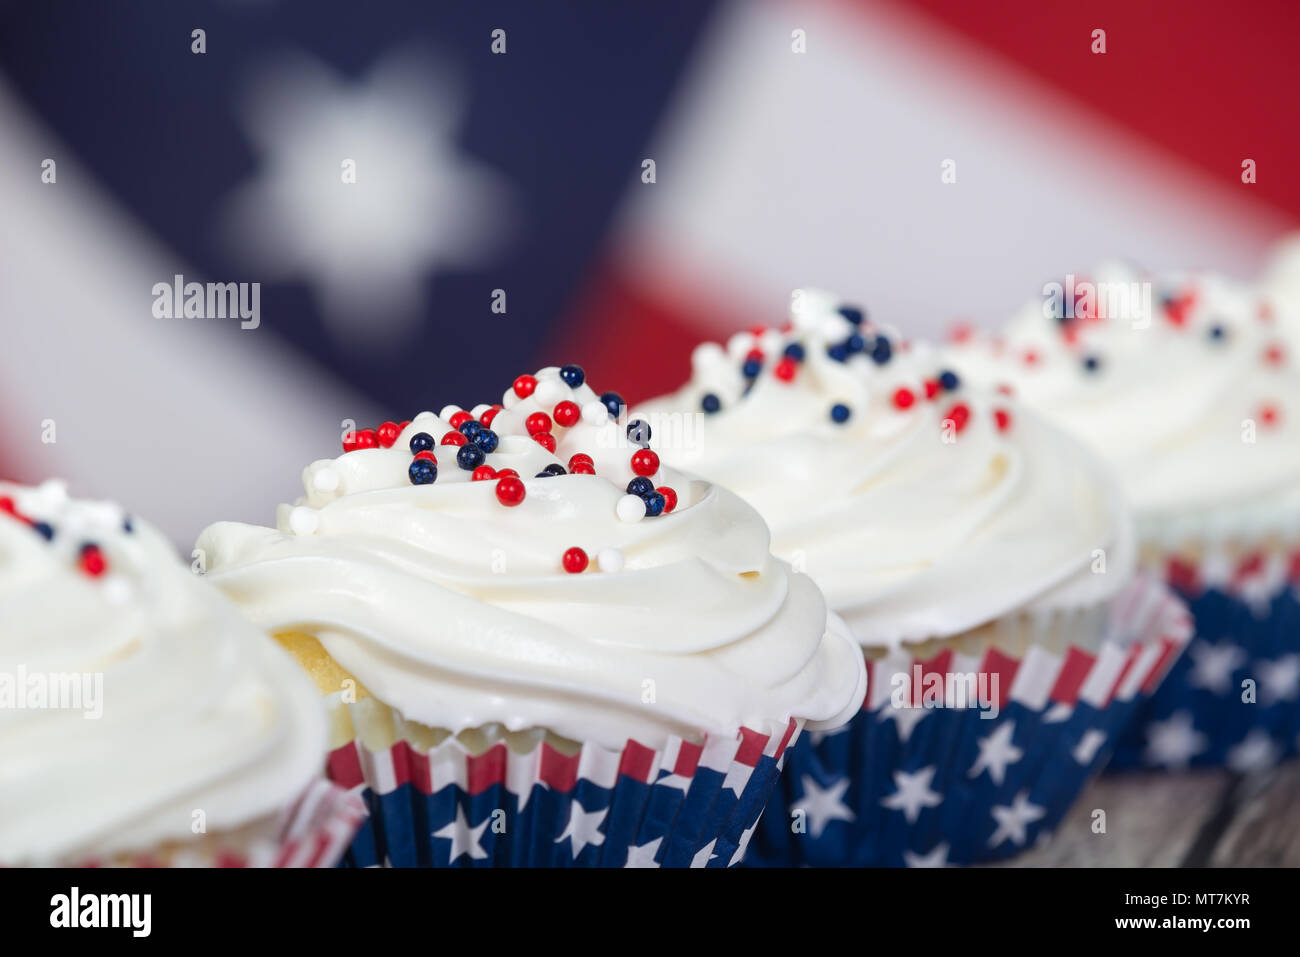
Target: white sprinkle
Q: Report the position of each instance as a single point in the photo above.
(448, 411)
(631, 508)
(325, 480)
(304, 520)
(595, 413)
(478, 410)
(610, 559)
(549, 392)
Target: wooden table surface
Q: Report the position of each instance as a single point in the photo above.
(1191, 819)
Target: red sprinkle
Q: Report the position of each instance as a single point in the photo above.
(903, 398)
(487, 417)
(482, 473)
(426, 454)
(387, 434)
(754, 355)
(960, 415)
(645, 462)
(583, 460)
(670, 497)
(960, 331)
(932, 388)
(7, 505)
(1005, 389)
(1269, 414)
(1031, 357)
(453, 438)
(575, 560)
(566, 413)
(785, 369)
(92, 561)
(538, 422)
(545, 440)
(1274, 355)
(524, 386)
(507, 473)
(460, 418)
(1003, 419)
(365, 439)
(510, 490)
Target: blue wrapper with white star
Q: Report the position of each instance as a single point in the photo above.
(684, 805)
(966, 758)
(1234, 699)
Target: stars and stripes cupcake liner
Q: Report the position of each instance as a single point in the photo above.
(315, 832)
(961, 782)
(1234, 699)
(684, 805)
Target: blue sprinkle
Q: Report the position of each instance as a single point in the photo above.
(840, 413)
(422, 442)
(1217, 333)
(44, 529)
(855, 344)
(128, 526)
(573, 375)
(640, 486)
(1091, 363)
(654, 504)
(710, 403)
(838, 352)
(486, 439)
(469, 457)
(638, 430)
(853, 314)
(882, 351)
(751, 368)
(470, 428)
(613, 403)
(794, 351)
(948, 379)
(555, 468)
(423, 471)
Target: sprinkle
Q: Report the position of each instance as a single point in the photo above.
(654, 504)
(645, 462)
(630, 508)
(510, 490)
(361, 439)
(640, 486)
(840, 413)
(1004, 388)
(838, 352)
(469, 457)
(487, 440)
(573, 375)
(882, 351)
(610, 560)
(670, 497)
(948, 379)
(483, 473)
(1002, 418)
(581, 462)
(855, 344)
(306, 521)
(1217, 333)
(7, 505)
(959, 415)
(421, 441)
(566, 414)
(932, 389)
(794, 351)
(1269, 414)
(460, 418)
(549, 392)
(507, 473)
(92, 560)
(613, 403)
(710, 403)
(454, 438)
(1274, 354)
(44, 529)
(595, 413)
(960, 331)
(638, 430)
(1030, 357)
(524, 386)
(545, 440)
(555, 468)
(425, 471)
(785, 369)
(387, 434)
(852, 313)
(1091, 363)
(538, 422)
(903, 398)
(470, 428)
(325, 480)
(487, 417)
(574, 560)
(427, 455)
(751, 368)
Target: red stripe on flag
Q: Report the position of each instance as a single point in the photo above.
(487, 769)
(345, 766)
(637, 761)
(1005, 667)
(1074, 672)
(785, 738)
(558, 771)
(751, 747)
(688, 759)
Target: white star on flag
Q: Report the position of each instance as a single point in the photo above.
(366, 247)
(1213, 665)
(1088, 746)
(704, 854)
(583, 828)
(823, 805)
(643, 855)
(1174, 741)
(1012, 821)
(936, 858)
(906, 718)
(997, 753)
(1255, 752)
(913, 793)
(464, 840)
(1279, 680)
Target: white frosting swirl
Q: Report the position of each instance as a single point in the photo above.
(912, 530)
(1194, 401)
(182, 706)
(455, 610)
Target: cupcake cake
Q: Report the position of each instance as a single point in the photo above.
(1188, 387)
(538, 645)
(142, 721)
(982, 560)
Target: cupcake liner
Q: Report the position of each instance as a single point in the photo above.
(1247, 626)
(685, 805)
(315, 833)
(931, 786)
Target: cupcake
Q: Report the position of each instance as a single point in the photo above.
(142, 720)
(982, 560)
(538, 646)
(1188, 387)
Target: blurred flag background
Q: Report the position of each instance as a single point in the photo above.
(499, 156)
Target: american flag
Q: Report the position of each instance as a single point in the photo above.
(622, 180)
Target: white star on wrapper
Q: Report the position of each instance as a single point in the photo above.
(1013, 821)
(906, 718)
(997, 753)
(936, 858)
(1255, 752)
(704, 854)
(366, 247)
(1213, 665)
(1088, 746)
(913, 793)
(823, 805)
(464, 839)
(644, 854)
(1174, 741)
(1279, 680)
(583, 828)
